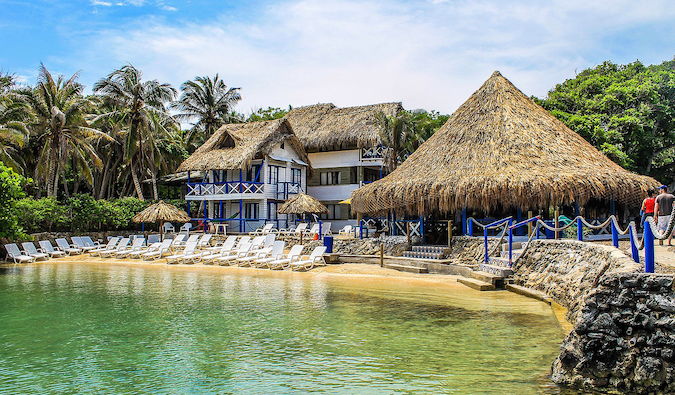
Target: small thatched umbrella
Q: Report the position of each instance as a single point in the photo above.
(161, 212)
(303, 204)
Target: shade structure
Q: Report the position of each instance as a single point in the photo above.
(303, 204)
(160, 212)
(501, 149)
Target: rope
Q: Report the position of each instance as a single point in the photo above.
(472, 219)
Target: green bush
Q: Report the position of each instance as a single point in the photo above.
(10, 193)
(44, 214)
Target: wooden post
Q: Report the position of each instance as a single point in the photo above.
(556, 213)
(381, 255)
(407, 231)
(449, 233)
(529, 224)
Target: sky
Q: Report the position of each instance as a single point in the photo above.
(427, 54)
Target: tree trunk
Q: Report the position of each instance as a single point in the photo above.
(52, 173)
(109, 171)
(65, 184)
(154, 186)
(137, 183)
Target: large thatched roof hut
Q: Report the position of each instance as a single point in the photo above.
(234, 146)
(500, 149)
(324, 125)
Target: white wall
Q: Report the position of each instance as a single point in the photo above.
(332, 192)
(347, 158)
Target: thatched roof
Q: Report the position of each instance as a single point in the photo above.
(500, 149)
(234, 146)
(160, 212)
(302, 204)
(324, 125)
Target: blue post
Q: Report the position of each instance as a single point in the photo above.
(615, 236)
(422, 230)
(580, 229)
(188, 207)
(320, 233)
(536, 228)
(464, 222)
(142, 226)
(486, 244)
(241, 204)
(633, 247)
(511, 242)
(649, 249)
(361, 229)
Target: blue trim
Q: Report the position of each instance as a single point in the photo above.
(649, 248)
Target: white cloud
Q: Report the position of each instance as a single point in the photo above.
(430, 55)
(101, 3)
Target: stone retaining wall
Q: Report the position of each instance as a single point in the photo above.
(469, 251)
(624, 319)
(393, 246)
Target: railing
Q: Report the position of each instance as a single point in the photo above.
(372, 153)
(646, 243)
(224, 188)
(288, 188)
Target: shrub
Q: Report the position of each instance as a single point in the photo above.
(44, 214)
(10, 193)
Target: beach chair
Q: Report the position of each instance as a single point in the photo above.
(63, 245)
(121, 246)
(297, 231)
(205, 240)
(186, 228)
(29, 249)
(189, 249)
(152, 239)
(89, 243)
(111, 245)
(314, 259)
(242, 251)
(325, 229)
(218, 246)
(262, 231)
(158, 253)
(177, 241)
(314, 230)
(258, 242)
(168, 227)
(276, 253)
(208, 256)
(348, 230)
(261, 253)
(270, 238)
(181, 244)
(293, 255)
(14, 253)
(150, 247)
(79, 242)
(48, 248)
(137, 245)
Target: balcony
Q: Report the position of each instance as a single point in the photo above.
(372, 153)
(224, 190)
(288, 188)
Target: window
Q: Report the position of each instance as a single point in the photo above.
(252, 173)
(274, 174)
(251, 210)
(333, 212)
(296, 176)
(272, 208)
(330, 178)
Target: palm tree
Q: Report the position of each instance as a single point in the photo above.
(14, 114)
(61, 128)
(133, 103)
(209, 102)
(395, 133)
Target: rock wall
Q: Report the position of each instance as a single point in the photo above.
(624, 320)
(469, 251)
(393, 246)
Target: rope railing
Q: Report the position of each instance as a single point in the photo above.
(646, 242)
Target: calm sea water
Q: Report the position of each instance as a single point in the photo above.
(80, 328)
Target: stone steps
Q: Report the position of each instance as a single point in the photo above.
(425, 252)
(476, 284)
(405, 268)
(499, 261)
(515, 254)
(495, 269)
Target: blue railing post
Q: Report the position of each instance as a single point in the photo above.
(464, 222)
(511, 243)
(615, 235)
(485, 232)
(469, 227)
(633, 247)
(422, 230)
(649, 248)
(580, 229)
(361, 229)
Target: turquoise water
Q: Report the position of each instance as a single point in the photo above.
(80, 328)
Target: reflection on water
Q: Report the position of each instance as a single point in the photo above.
(78, 328)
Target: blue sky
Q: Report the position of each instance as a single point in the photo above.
(429, 54)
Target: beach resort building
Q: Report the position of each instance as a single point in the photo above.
(246, 171)
(345, 150)
(502, 154)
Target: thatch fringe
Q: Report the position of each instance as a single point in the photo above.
(160, 212)
(500, 149)
(324, 125)
(302, 204)
(234, 146)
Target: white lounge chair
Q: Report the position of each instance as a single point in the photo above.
(168, 227)
(297, 231)
(152, 239)
(121, 246)
(269, 240)
(293, 255)
(137, 245)
(315, 258)
(181, 244)
(262, 253)
(80, 243)
(314, 230)
(89, 244)
(63, 245)
(276, 253)
(110, 246)
(242, 251)
(29, 249)
(219, 246)
(14, 253)
(208, 256)
(185, 228)
(190, 248)
(137, 253)
(326, 229)
(262, 231)
(348, 230)
(158, 253)
(47, 247)
(205, 240)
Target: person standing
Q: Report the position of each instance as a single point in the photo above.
(663, 206)
(647, 209)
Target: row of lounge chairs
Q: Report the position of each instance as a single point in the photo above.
(347, 230)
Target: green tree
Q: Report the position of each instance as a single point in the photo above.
(133, 103)
(424, 125)
(268, 114)
(10, 193)
(208, 103)
(626, 111)
(14, 116)
(395, 133)
(61, 128)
